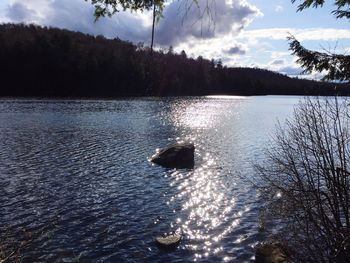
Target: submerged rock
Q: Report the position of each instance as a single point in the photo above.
(273, 252)
(169, 242)
(179, 155)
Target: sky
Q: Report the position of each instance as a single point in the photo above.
(248, 33)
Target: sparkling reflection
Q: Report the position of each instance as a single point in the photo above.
(209, 210)
(210, 214)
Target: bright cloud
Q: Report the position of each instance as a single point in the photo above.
(325, 34)
(223, 18)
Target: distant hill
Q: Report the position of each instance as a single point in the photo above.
(49, 62)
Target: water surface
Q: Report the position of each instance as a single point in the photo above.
(77, 185)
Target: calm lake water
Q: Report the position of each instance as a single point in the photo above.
(76, 183)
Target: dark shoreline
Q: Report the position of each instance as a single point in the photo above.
(43, 98)
(55, 63)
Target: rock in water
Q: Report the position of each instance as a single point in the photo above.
(179, 155)
(168, 242)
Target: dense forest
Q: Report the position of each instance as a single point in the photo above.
(48, 62)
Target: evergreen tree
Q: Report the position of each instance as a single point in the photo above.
(336, 66)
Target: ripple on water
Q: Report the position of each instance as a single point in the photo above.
(76, 184)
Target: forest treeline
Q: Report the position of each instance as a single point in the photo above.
(38, 61)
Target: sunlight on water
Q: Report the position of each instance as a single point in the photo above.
(228, 97)
(209, 213)
(204, 114)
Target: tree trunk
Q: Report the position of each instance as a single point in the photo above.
(154, 20)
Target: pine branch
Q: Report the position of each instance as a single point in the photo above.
(341, 13)
(309, 3)
(336, 66)
(342, 7)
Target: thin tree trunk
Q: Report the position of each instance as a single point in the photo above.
(154, 20)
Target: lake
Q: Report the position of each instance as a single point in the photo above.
(77, 186)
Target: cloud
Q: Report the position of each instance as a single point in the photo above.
(77, 15)
(291, 70)
(236, 50)
(19, 12)
(30, 11)
(124, 25)
(278, 8)
(206, 21)
(277, 62)
(309, 34)
(279, 54)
